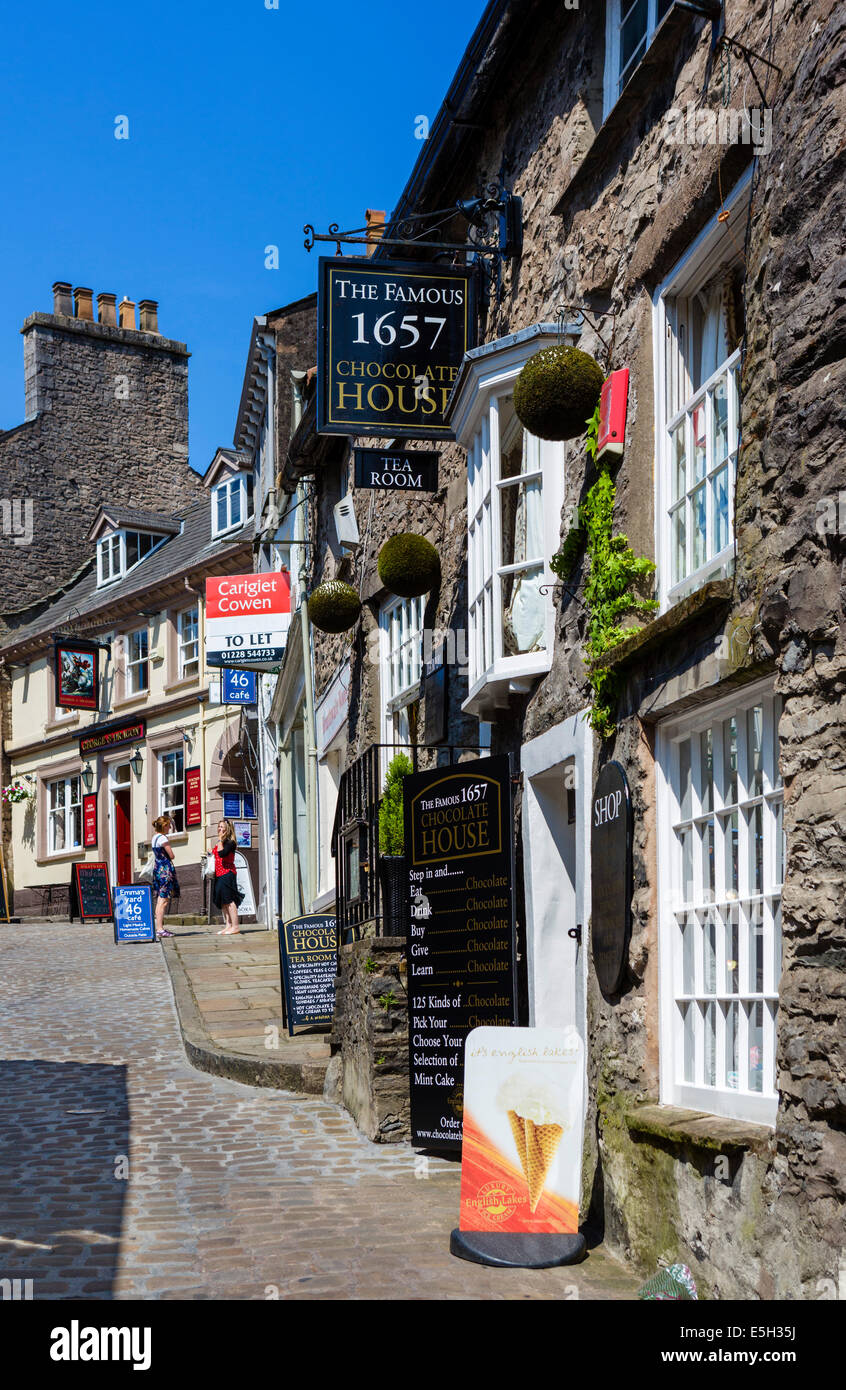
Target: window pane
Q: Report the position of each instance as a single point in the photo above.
(755, 750)
(731, 927)
(731, 1046)
(132, 553)
(679, 534)
(688, 1034)
(729, 829)
(755, 823)
(686, 841)
(756, 1044)
(523, 611)
(684, 779)
(221, 509)
(699, 450)
(706, 771)
(235, 501)
(730, 762)
(720, 403)
(688, 931)
(699, 522)
(710, 1044)
(719, 489)
(708, 860)
(756, 949)
(677, 454)
(778, 811)
(633, 33)
(709, 938)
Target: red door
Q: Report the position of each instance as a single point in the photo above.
(123, 837)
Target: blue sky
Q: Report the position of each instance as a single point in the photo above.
(244, 123)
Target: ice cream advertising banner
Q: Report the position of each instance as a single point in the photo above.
(247, 619)
(521, 1160)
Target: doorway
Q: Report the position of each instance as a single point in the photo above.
(121, 819)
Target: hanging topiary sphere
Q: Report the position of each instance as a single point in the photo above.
(556, 392)
(334, 606)
(409, 565)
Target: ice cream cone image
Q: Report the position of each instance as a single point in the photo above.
(541, 1147)
(538, 1114)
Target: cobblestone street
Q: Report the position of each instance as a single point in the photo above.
(128, 1174)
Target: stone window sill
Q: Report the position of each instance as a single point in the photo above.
(54, 726)
(131, 700)
(187, 684)
(45, 860)
(715, 594)
(698, 1129)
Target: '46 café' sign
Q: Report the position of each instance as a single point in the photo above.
(391, 339)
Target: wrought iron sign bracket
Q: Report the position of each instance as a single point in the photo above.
(562, 320)
(734, 46)
(494, 200)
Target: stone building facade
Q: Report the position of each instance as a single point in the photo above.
(105, 418)
(682, 219)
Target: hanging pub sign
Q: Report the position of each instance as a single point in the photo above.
(247, 619)
(90, 893)
(98, 737)
(76, 674)
(193, 797)
(461, 957)
(611, 876)
(391, 339)
(89, 820)
(308, 956)
(397, 470)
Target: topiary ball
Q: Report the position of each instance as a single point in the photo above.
(556, 392)
(334, 606)
(408, 565)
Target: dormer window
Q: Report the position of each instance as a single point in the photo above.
(120, 551)
(109, 561)
(232, 503)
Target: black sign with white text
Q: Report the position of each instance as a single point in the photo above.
(308, 948)
(399, 470)
(611, 876)
(391, 339)
(461, 957)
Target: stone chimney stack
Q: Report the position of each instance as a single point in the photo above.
(106, 312)
(62, 302)
(84, 301)
(148, 310)
(126, 309)
(375, 226)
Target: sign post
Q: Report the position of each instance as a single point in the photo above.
(461, 956)
(611, 876)
(308, 949)
(133, 913)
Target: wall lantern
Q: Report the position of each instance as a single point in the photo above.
(136, 762)
(88, 776)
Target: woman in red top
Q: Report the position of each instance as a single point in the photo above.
(225, 892)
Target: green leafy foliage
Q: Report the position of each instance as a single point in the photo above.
(391, 829)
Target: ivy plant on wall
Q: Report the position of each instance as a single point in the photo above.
(613, 589)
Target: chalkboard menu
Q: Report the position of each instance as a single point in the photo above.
(134, 913)
(611, 876)
(90, 894)
(461, 961)
(308, 950)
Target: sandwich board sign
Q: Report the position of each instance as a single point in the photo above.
(90, 892)
(133, 914)
(308, 953)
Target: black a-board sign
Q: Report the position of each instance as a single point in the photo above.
(391, 338)
(611, 876)
(397, 470)
(461, 952)
(90, 892)
(308, 959)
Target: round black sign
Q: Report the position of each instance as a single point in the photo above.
(611, 875)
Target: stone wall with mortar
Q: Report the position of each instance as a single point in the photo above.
(370, 1037)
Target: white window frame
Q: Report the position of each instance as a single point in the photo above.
(135, 663)
(170, 757)
(114, 545)
(71, 805)
(401, 635)
(242, 484)
(183, 643)
(615, 13)
(716, 988)
(716, 244)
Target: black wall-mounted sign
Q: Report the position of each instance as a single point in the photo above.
(433, 692)
(391, 339)
(611, 876)
(397, 470)
(76, 674)
(308, 955)
(90, 893)
(461, 956)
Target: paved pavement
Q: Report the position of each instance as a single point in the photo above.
(125, 1173)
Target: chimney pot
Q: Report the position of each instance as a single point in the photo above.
(62, 301)
(84, 302)
(126, 309)
(375, 226)
(106, 312)
(148, 310)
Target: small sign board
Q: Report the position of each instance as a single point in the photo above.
(133, 914)
(247, 619)
(397, 470)
(611, 876)
(101, 737)
(308, 948)
(193, 796)
(238, 687)
(89, 820)
(244, 834)
(90, 893)
(76, 674)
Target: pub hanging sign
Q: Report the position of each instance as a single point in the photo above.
(391, 339)
(76, 674)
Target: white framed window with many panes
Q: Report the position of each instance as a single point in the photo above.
(232, 503)
(630, 27)
(401, 636)
(138, 662)
(64, 815)
(721, 868)
(188, 642)
(698, 328)
(172, 787)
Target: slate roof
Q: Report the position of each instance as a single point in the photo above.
(159, 522)
(192, 547)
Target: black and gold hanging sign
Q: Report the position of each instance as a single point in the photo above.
(391, 339)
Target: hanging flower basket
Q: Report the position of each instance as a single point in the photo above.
(18, 791)
(409, 565)
(557, 391)
(334, 606)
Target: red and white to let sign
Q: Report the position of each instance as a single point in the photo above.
(247, 619)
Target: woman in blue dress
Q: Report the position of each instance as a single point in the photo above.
(165, 882)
